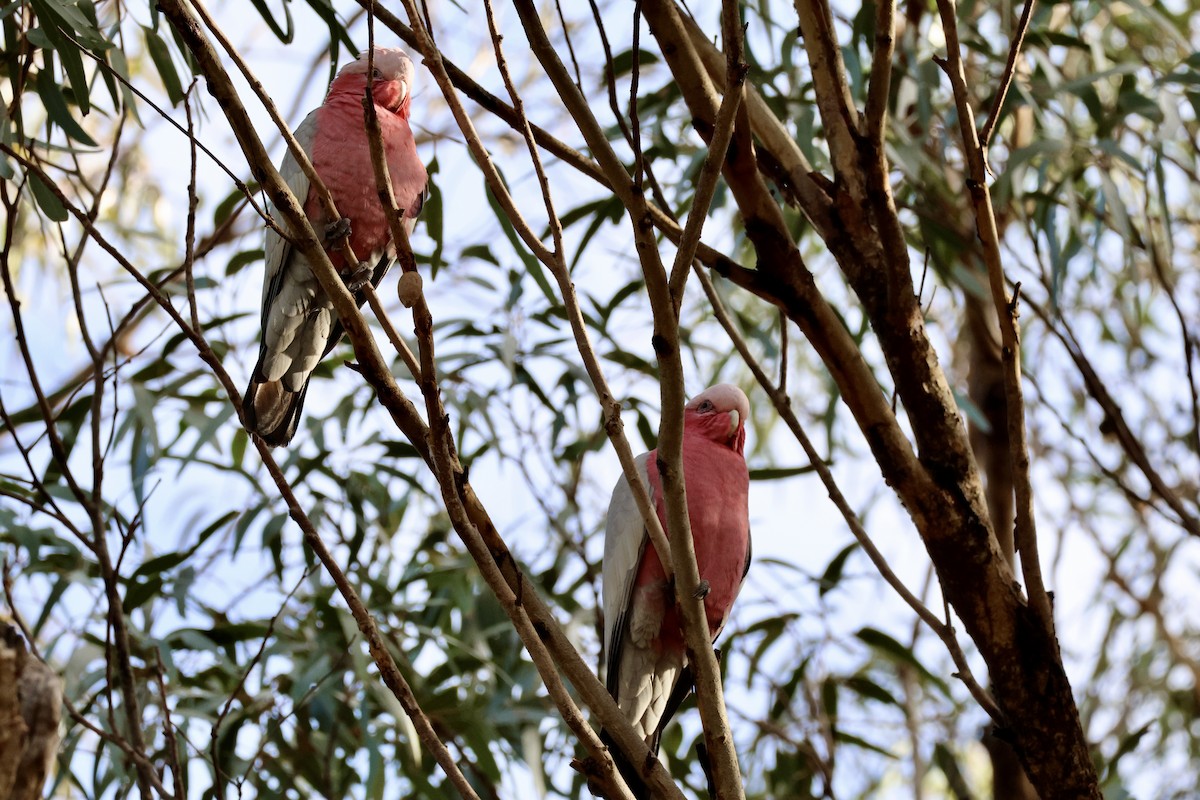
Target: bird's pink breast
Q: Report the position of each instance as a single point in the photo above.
(718, 486)
(342, 157)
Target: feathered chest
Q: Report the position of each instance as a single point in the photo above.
(341, 154)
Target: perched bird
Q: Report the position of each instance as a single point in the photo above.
(642, 624)
(299, 324)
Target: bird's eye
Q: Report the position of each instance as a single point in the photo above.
(706, 406)
(376, 74)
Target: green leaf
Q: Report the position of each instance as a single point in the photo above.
(272, 540)
(140, 592)
(633, 362)
(944, 759)
(890, 648)
(69, 424)
(847, 738)
(238, 449)
(646, 431)
(622, 62)
(53, 15)
(974, 413)
(57, 591)
(121, 67)
(208, 432)
(829, 700)
(869, 689)
(285, 32)
(433, 214)
(72, 16)
(231, 201)
(396, 448)
(481, 252)
(46, 199)
(161, 56)
(833, 572)
(779, 473)
(57, 110)
(168, 561)
(1127, 745)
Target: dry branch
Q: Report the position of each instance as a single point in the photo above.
(1007, 312)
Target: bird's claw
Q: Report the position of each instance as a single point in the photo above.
(702, 590)
(359, 278)
(336, 231)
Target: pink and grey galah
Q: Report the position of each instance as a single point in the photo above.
(642, 624)
(299, 324)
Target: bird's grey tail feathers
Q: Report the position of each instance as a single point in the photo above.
(633, 778)
(683, 687)
(272, 411)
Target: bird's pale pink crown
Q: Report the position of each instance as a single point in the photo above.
(719, 414)
(391, 82)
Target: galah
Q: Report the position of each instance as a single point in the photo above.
(642, 624)
(299, 324)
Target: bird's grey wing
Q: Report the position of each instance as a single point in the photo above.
(640, 677)
(297, 318)
(624, 542)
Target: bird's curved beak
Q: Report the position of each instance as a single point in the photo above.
(735, 419)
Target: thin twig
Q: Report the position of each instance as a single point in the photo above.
(1007, 312)
(714, 157)
(783, 406)
(189, 238)
(1096, 387)
(1006, 78)
(635, 123)
(168, 728)
(879, 91)
(562, 20)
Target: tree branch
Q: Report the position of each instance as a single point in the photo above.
(1006, 79)
(714, 157)
(879, 90)
(783, 407)
(1006, 310)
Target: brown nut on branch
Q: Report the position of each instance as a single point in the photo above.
(409, 288)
